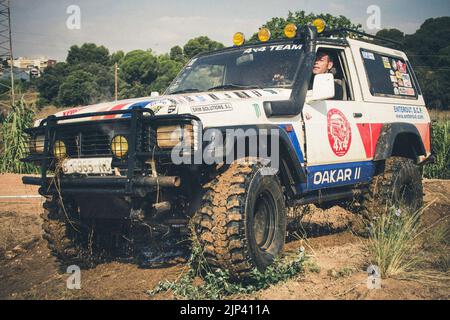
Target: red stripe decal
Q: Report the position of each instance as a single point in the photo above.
(364, 131)
(370, 133)
(424, 131)
(118, 107)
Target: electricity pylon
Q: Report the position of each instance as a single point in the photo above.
(6, 52)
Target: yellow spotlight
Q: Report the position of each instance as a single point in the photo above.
(264, 34)
(119, 146)
(238, 39)
(59, 149)
(36, 144)
(320, 24)
(290, 31)
(176, 135)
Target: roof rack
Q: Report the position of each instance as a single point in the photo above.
(345, 32)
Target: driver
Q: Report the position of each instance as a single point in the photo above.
(324, 64)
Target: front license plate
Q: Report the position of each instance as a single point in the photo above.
(87, 166)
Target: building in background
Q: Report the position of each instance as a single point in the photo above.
(27, 68)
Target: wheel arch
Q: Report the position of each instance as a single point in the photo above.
(290, 163)
(399, 139)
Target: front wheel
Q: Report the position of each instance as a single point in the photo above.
(242, 221)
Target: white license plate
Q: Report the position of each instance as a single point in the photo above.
(87, 166)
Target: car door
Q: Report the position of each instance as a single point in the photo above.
(335, 133)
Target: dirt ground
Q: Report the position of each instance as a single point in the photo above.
(336, 268)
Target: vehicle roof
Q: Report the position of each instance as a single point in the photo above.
(339, 41)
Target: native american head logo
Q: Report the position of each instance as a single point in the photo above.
(339, 132)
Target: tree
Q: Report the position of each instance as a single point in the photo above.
(88, 53)
(393, 34)
(429, 51)
(139, 66)
(79, 88)
(116, 57)
(48, 84)
(200, 45)
(276, 25)
(167, 70)
(176, 54)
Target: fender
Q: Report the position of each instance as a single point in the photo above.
(287, 149)
(389, 134)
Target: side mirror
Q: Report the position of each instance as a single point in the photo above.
(154, 94)
(323, 87)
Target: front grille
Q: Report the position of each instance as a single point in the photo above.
(93, 140)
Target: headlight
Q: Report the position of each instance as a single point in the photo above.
(36, 144)
(59, 149)
(119, 146)
(171, 136)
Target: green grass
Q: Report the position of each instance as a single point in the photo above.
(14, 142)
(394, 242)
(440, 145)
(201, 282)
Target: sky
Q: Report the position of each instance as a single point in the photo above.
(39, 27)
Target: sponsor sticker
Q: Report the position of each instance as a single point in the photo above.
(339, 132)
(406, 80)
(409, 112)
(368, 55)
(401, 66)
(257, 110)
(386, 63)
(222, 107)
(273, 48)
(407, 91)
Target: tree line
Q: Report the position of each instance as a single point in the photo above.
(87, 75)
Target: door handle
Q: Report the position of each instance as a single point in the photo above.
(357, 115)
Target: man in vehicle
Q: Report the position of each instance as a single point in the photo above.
(324, 64)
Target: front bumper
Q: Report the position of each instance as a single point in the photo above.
(138, 186)
(136, 178)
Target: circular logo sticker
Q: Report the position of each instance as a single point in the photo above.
(339, 132)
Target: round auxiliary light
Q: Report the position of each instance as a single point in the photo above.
(264, 34)
(238, 39)
(320, 24)
(119, 146)
(59, 149)
(290, 31)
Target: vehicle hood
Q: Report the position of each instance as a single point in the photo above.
(199, 104)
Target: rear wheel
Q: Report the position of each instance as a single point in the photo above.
(398, 185)
(242, 222)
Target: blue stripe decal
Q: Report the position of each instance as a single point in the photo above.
(294, 140)
(336, 175)
(137, 105)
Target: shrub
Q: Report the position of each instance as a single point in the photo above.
(14, 145)
(440, 143)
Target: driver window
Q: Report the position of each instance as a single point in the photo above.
(333, 61)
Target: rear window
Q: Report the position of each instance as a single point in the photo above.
(389, 76)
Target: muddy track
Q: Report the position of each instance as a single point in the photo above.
(28, 271)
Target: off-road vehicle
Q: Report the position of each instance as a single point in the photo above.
(198, 155)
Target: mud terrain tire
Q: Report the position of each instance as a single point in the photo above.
(241, 223)
(398, 185)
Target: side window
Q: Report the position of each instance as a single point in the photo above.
(388, 76)
(340, 73)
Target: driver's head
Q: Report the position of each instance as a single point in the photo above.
(323, 63)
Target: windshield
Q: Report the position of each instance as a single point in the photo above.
(270, 66)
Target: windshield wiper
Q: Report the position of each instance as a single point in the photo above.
(185, 91)
(233, 86)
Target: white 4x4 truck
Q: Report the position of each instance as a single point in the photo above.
(197, 155)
